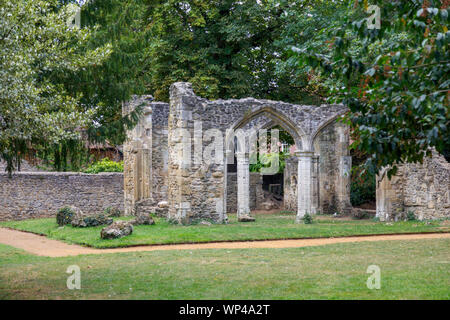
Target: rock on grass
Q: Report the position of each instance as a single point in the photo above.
(116, 230)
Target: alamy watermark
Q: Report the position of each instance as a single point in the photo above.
(374, 280)
(74, 280)
(374, 20)
(213, 146)
(74, 19)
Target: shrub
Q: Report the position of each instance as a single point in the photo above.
(307, 219)
(105, 165)
(360, 214)
(362, 188)
(411, 216)
(64, 216)
(91, 221)
(112, 212)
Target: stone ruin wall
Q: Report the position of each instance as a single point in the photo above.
(420, 188)
(160, 156)
(256, 191)
(334, 161)
(330, 147)
(197, 191)
(41, 194)
(146, 155)
(153, 171)
(290, 176)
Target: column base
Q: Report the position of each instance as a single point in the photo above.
(246, 218)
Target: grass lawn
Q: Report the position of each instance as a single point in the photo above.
(416, 269)
(267, 226)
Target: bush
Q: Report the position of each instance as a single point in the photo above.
(360, 215)
(411, 216)
(105, 165)
(307, 219)
(112, 212)
(91, 221)
(64, 216)
(363, 186)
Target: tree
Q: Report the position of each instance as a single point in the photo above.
(226, 48)
(393, 79)
(36, 47)
(105, 87)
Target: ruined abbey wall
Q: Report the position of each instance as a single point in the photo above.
(420, 188)
(146, 154)
(255, 189)
(159, 166)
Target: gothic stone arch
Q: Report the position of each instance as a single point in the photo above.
(195, 189)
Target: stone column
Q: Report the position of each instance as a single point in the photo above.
(315, 185)
(243, 186)
(138, 159)
(343, 188)
(345, 165)
(304, 193)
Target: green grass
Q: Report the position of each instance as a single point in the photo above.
(418, 269)
(274, 226)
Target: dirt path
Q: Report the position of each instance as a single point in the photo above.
(42, 246)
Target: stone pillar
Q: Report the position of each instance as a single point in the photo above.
(345, 165)
(195, 188)
(243, 185)
(304, 193)
(138, 159)
(315, 185)
(343, 188)
(290, 197)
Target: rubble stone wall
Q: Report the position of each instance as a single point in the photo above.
(197, 191)
(290, 177)
(420, 188)
(40, 194)
(146, 154)
(255, 190)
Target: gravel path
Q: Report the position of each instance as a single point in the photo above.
(42, 246)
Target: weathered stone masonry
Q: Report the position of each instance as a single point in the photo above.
(255, 191)
(40, 194)
(146, 155)
(197, 190)
(420, 188)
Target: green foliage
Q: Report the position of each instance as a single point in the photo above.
(363, 187)
(227, 49)
(393, 79)
(360, 215)
(67, 155)
(91, 221)
(105, 165)
(64, 216)
(106, 86)
(266, 160)
(411, 216)
(36, 47)
(307, 219)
